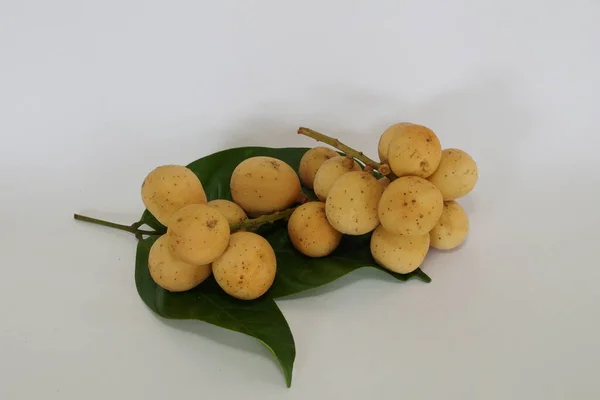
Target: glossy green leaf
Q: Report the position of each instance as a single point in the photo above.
(295, 272)
(260, 318)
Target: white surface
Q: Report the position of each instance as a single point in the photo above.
(94, 94)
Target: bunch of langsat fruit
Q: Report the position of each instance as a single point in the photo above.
(221, 252)
(408, 205)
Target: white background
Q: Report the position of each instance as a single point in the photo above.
(94, 94)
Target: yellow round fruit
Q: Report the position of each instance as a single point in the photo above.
(330, 171)
(456, 175)
(263, 185)
(198, 234)
(246, 270)
(410, 206)
(352, 202)
(231, 211)
(385, 139)
(452, 228)
(398, 253)
(171, 273)
(310, 232)
(168, 188)
(414, 150)
(311, 161)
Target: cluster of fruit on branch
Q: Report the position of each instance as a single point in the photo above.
(406, 201)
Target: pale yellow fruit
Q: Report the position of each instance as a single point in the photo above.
(383, 182)
(172, 274)
(414, 150)
(310, 163)
(352, 202)
(398, 253)
(168, 188)
(310, 232)
(452, 228)
(198, 234)
(410, 206)
(231, 211)
(386, 138)
(263, 185)
(247, 268)
(456, 175)
(330, 171)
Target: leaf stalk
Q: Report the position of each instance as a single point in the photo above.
(133, 228)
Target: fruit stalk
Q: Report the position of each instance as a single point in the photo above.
(383, 169)
(251, 224)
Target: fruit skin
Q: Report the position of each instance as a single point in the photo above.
(246, 270)
(198, 234)
(399, 253)
(263, 185)
(171, 273)
(352, 203)
(410, 206)
(385, 139)
(168, 188)
(456, 174)
(231, 211)
(452, 228)
(414, 150)
(311, 161)
(310, 232)
(330, 172)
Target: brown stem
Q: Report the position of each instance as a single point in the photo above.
(384, 169)
(359, 155)
(302, 198)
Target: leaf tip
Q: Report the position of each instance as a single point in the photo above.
(288, 378)
(424, 277)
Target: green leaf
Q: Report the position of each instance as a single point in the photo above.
(295, 272)
(152, 222)
(260, 318)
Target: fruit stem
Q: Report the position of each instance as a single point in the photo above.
(385, 169)
(359, 155)
(133, 228)
(252, 224)
(302, 198)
